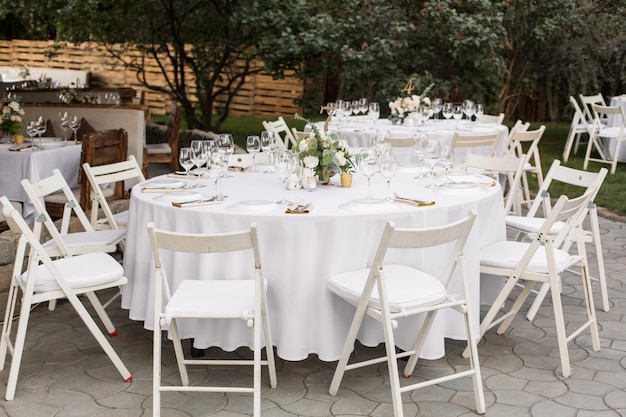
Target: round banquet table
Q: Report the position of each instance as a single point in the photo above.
(300, 251)
(615, 121)
(359, 132)
(36, 165)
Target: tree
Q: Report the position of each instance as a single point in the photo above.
(205, 49)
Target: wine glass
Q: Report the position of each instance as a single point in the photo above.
(268, 145)
(468, 109)
(217, 164)
(436, 105)
(388, 168)
(75, 125)
(446, 110)
(355, 107)
(295, 172)
(457, 114)
(185, 159)
(419, 148)
(480, 110)
(65, 123)
(346, 109)
(31, 131)
(432, 155)
(363, 105)
(253, 146)
(40, 126)
(330, 107)
(199, 153)
(374, 112)
(447, 159)
(226, 144)
(368, 166)
(283, 164)
(382, 142)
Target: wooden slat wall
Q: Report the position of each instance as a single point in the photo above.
(261, 96)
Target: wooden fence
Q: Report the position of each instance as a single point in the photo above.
(261, 96)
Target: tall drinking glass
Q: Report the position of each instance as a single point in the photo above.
(374, 112)
(253, 146)
(388, 168)
(368, 165)
(185, 159)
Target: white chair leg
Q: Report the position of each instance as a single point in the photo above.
(560, 330)
(532, 311)
(595, 233)
(156, 370)
(18, 347)
(269, 347)
(104, 317)
(479, 394)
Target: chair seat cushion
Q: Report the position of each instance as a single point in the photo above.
(158, 148)
(611, 132)
(206, 298)
(79, 272)
(507, 254)
(408, 288)
(531, 224)
(82, 241)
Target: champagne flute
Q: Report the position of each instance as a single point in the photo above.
(382, 142)
(31, 131)
(419, 148)
(388, 168)
(368, 166)
(185, 159)
(283, 164)
(457, 114)
(226, 145)
(217, 164)
(268, 145)
(432, 155)
(253, 146)
(374, 112)
(436, 105)
(446, 110)
(65, 123)
(40, 124)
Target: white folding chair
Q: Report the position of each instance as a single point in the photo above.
(601, 137)
(280, 128)
(490, 118)
(509, 169)
(46, 280)
(486, 142)
(241, 299)
(579, 126)
(587, 106)
(540, 209)
(64, 243)
(524, 144)
(103, 177)
(518, 126)
(389, 292)
(541, 261)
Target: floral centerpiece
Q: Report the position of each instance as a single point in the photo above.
(11, 121)
(402, 107)
(324, 155)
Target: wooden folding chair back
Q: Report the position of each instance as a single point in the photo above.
(242, 299)
(48, 280)
(122, 174)
(166, 152)
(388, 292)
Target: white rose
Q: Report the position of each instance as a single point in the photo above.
(341, 159)
(311, 161)
(303, 146)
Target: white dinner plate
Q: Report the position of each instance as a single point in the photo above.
(164, 184)
(253, 205)
(181, 196)
(369, 205)
(462, 176)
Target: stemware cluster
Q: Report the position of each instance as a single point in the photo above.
(378, 160)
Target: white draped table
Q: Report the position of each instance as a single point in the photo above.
(615, 121)
(359, 132)
(36, 165)
(300, 251)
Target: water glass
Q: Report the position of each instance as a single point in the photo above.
(368, 166)
(388, 168)
(253, 146)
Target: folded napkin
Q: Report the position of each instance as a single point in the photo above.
(411, 202)
(299, 209)
(192, 175)
(24, 148)
(237, 169)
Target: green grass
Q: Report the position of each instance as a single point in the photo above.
(612, 195)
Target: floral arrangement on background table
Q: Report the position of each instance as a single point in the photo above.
(12, 113)
(402, 107)
(324, 155)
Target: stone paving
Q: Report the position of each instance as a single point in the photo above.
(64, 372)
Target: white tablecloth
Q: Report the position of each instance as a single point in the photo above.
(300, 251)
(615, 121)
(35, 165)
(360, 134)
